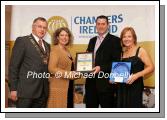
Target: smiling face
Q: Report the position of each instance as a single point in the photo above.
(101, 26)
(63, 38)
(39, 28)
(128, 39)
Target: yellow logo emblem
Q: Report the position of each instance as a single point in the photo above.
(56, 22)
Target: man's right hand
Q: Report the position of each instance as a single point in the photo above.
(13, 95)
(96, 69)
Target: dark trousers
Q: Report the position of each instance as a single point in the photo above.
(95, 97)
(104, 99)
(32, 102)
(70, 97)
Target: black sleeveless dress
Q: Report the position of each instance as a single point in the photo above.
(70, 96)
(130, 96)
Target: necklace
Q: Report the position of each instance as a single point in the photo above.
(127, 49)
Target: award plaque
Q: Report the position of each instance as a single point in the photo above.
(84, 62)
(120, 72)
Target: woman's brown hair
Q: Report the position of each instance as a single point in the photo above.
(57, 33)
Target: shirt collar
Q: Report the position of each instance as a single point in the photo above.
(103, 36)
(36, 38)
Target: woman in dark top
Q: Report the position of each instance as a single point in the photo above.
(130, 94)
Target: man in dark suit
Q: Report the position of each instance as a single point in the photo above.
(106, 48)
(29, 67)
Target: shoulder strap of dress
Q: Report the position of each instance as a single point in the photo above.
(137, 52)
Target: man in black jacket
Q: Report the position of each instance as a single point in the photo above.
(29, 66)
(106, 49)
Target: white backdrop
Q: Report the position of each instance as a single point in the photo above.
(140, 17)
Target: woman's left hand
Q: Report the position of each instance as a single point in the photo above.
(132, 78)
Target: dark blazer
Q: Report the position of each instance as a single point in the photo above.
(26, 58)
(109, 51)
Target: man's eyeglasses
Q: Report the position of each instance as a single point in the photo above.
(41, 27)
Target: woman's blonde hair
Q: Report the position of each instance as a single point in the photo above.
(133, 34)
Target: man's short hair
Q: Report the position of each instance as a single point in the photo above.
(102, 17)
(39, 18)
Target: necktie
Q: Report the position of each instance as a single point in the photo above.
(40, 44)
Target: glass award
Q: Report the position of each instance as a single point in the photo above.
(120, 72)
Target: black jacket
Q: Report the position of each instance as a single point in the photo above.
(109, 51)
(26, 58)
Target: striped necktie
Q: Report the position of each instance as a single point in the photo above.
(40, 44)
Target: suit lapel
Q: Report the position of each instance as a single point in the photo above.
(94, 43)
(43, 55)
(103, 43)
(33, 38)
(46, 47)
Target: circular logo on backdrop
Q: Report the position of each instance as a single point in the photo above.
(56, 22)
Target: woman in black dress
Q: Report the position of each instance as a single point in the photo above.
(130, 94)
